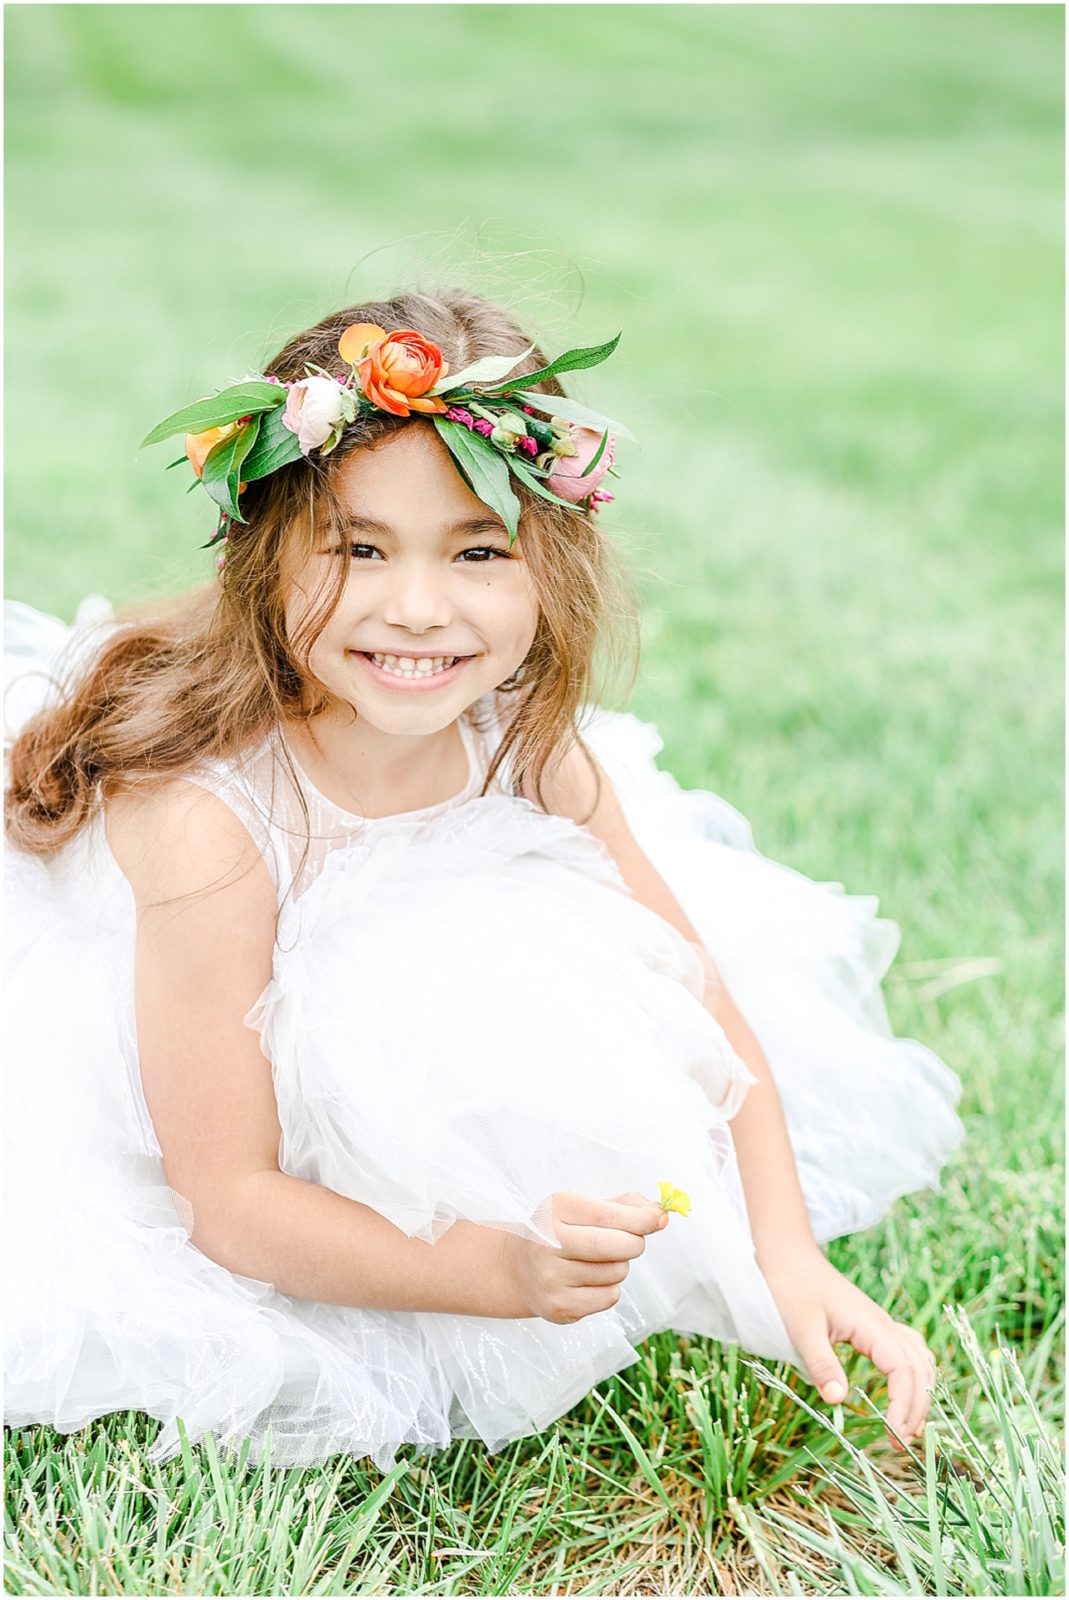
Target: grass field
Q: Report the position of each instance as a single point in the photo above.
(832, 239)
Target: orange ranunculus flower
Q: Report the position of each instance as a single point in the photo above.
(198, 445)
(395, 370)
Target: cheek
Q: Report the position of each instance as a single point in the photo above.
(307, 600)
(532, 617)
(324, 655)
(522, 610)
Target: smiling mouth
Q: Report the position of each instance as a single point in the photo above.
(413, 668)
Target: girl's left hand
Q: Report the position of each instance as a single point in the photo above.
(821, 1308)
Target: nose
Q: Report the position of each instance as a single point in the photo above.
(417, 600)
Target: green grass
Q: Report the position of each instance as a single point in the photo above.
(832, 238)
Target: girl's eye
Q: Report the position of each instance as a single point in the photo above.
(480, 552)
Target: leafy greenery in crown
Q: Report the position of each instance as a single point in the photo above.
(489, 422)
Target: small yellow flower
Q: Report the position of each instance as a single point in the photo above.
(674, 1200)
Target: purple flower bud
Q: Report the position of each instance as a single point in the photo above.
(483, 426)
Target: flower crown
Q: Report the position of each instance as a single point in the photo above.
(487, 420)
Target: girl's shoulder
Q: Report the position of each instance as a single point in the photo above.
(180, 833)
(173, 839)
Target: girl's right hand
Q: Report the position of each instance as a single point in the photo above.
(598, 1241)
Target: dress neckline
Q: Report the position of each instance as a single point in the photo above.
(468, 736)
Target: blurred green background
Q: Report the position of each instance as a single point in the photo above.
(831, 236)
(832, 239)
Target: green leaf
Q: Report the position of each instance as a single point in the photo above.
(558, 405)
(485, 370)
(180, 461)
(229, 405)
(523, 471)
(571, 361)
(276, 446)
(222, 468)
(486, 469)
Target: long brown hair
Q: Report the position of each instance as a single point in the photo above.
(209, 672)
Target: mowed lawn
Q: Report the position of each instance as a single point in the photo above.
(831, 237)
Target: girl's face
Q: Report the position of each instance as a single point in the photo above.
(430, 576)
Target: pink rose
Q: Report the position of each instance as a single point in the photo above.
(565, 478)
(313, 410)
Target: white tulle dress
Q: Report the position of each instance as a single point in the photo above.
(468, 1012)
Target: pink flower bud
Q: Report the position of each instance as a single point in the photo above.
(566, 479)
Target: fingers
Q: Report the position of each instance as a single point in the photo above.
(930, 1364)
(574, 1304)
(591, 1229)
(825, 1369)
(897, 1350)
(593, 1273)
(598, 1244)
(899, 1358)
(926, 1372)
(644, 1204)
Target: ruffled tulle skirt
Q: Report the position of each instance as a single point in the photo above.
(465, 1017)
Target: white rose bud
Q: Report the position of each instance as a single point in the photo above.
(313, 410)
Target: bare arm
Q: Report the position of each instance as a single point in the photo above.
(819, 1307)
(206, 920)
(779, 1219)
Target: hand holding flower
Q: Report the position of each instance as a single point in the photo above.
(598, 1240)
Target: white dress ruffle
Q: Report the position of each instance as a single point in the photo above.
(469, 1011)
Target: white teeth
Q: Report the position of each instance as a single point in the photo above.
(409, 667)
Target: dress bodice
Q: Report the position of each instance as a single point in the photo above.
(295, 825)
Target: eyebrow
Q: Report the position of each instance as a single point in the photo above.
(469, 525)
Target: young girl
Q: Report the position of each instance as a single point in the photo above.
(362, 1007)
